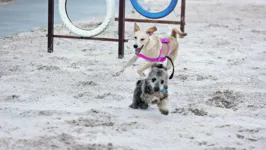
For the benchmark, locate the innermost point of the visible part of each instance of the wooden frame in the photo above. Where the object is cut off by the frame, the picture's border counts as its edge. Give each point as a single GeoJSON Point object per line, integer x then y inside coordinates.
{"type": "Point", "coordinates": [121, 27]}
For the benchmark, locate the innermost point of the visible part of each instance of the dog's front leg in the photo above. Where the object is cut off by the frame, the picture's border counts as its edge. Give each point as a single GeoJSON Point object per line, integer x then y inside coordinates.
{"type": "Point", "coordinates": [129, 63]}
{"type": "Point", "coordinates": [146, 66]}
{"type": "Point", "coordinates": [155, 100]}
{"type": "Point", "coordinates": [163, 106]}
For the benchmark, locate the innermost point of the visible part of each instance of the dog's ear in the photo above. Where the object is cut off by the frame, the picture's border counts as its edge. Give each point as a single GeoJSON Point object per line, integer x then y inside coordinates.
{"type": "Point", "coordinates": [147, 87]}
{"type": "Point", "coordinates": [154, 65]}
{"type": "Point", "coordinates": [138, 82]}
{"type": "Point", "coordinates": [158, 65]}
{"type": "Point", "coordinates": [151, 30]}
{"type": "Point", "coordinates": [136, 27]}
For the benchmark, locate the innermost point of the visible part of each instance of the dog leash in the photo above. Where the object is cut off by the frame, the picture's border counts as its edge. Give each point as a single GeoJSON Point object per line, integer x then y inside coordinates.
{"type": "Point", "coordinates": [161, 59]}
{"type": "Point", "coordinates": [172, 75]}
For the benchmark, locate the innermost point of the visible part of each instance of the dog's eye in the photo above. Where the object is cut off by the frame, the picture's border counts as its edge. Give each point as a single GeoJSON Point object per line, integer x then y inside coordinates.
{"type": "Point", "coordinates": [135, 37]}
{"type": "Point", "coordinates": [162, 81]}
{"type": "Point", "coordinates": [153, 79]}
{"type": "Point", "coordinates": [142, 39]}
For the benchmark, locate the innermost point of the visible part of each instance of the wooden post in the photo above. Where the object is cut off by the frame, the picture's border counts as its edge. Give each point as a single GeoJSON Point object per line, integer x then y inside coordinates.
{"type": "Point", "coordinates": [50, 37]}
{"type": "Point", "coordinates": [183, 10]}
{"type": "Point", "coordinates": [121, 28]}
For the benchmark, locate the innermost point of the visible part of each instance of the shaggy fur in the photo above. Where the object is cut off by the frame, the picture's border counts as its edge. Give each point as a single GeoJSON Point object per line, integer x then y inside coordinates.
{"type": "Point", "coordinates": [151, 90]}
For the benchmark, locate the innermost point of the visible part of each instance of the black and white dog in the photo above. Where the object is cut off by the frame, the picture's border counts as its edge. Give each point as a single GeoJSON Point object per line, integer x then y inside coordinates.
{"type": "Point", "coordinates": [152, 90]}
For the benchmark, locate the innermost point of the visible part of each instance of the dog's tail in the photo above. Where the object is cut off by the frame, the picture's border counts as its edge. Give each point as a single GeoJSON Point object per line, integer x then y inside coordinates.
{"type": "Point", "coordinates": [172, 75]}
{"type": "Point", "coordinates": [176, 31]}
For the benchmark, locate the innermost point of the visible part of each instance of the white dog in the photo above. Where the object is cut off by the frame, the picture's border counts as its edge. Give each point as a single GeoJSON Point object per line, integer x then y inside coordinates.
{"type": "Point", "coordinates": [152, 47]}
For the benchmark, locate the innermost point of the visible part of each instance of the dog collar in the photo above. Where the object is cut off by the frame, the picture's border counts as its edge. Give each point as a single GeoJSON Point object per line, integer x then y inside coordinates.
{"type": "Point", "coordinates": [158, 59]}
{"type": "Point", "coordinates": [164, 90]}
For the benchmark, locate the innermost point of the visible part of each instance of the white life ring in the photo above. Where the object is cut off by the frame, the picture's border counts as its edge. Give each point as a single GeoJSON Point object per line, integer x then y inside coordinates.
{"type": "Point", "coordinates": [87, 33]}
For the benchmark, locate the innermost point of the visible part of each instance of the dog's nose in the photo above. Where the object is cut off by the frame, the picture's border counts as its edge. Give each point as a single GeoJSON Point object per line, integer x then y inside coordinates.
{"type": "Point", "coordinates": [135, 46]}
{"type": "Point", "coordinates": [156, 89]}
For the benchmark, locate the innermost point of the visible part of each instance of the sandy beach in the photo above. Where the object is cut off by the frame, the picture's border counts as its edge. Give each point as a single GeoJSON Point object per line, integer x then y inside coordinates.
{"type": "Point", "coordinates": [70, 99]}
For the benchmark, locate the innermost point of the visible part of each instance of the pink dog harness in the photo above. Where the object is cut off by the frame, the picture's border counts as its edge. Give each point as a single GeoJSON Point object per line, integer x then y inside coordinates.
{"type": "Point", "coordinates": [158, 59]}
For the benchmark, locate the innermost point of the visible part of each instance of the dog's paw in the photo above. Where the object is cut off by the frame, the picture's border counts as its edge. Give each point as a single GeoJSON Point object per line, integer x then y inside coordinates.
{"type": "Point", "coordinates": [118, 73]}
{"type": "Point", "coordinates": [164, 112]}
{"type": "Point", "coordinates": [133, 106]}
{"type": "Point", "coordinates": [141, 74]}
{"type": "Point", "coordinates": [143, 106]}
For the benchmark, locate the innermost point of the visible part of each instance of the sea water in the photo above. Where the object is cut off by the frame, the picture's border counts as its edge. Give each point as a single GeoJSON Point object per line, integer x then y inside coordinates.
{"type": "Point", "coordinates": [24, 15]}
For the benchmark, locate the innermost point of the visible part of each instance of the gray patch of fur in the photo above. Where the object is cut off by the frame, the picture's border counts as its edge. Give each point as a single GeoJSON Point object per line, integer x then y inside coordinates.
{"type": "Point", "coordinates": [149, 90]}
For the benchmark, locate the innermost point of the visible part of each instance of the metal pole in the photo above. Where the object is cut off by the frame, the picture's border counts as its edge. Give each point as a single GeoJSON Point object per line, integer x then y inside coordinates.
{"type": "Point", "coordinates": [183, 10]}
{"type": "Point", "coordinates": [121, 28]}
{"type": "Point", "coordinates": [50, 37]}
{"type": "Point", "coordinates": [88, 38]}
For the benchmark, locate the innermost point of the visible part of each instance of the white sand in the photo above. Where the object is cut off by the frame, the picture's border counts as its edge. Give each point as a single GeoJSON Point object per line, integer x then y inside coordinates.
{"type": "Point", "coordinates": [70, 100]}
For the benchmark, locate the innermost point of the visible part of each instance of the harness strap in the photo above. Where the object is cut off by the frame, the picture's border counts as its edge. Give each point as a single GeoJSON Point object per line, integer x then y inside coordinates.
{"type": "Point", "coordinates": [159, 58]}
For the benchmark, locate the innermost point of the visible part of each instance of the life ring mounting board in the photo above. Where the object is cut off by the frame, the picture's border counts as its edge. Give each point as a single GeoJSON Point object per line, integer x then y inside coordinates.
{"type": "Point", "coordinates": [154, 15]}
{"type": "Point", "coordinates": [86, 33]}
